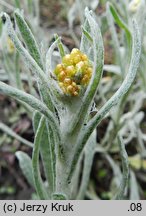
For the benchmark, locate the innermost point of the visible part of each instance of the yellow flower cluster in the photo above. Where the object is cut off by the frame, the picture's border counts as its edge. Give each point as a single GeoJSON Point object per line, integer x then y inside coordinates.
{"type": "Point", "coordinates": [74, 72]}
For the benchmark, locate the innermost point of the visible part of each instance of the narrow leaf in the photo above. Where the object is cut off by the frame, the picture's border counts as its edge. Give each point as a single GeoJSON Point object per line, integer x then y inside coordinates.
{"type": "Point", "coordinates": [39, 185]}
{"type": "Point", "coordinates": [36, 120]}
{"type": "Point", "coordinates": [118, 20]}
{"type": "Point", "coordinates": [86, 33]}
{"type": "Point", "coordinates": [46, 143]}
{"type": "Point", "coordinates": [88, 161]}
{"type": "Point", "coordinates": [47, 159]}
{"type": "Point", "coordinates": [125, 165]}
{"type": "Point", "coordinates": [49, 55]}
{"type": "Point", "coordinates": [28, 38]}
{"type": "Point", "coordinates": [134, 189]}
{"type": "Point", "coordinates": [26, 166]}
{"type": "Point", "coordinates": [60, 46]}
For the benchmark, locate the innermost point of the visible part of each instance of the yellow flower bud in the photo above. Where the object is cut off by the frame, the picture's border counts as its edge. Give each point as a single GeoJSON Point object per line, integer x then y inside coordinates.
{"type": "Point", "coordinates": [75, 51]}
{"type": "Point", "coordinates": [74, 84]}
{"type": "Point", "coordinates": [84, 57]}
{"type": "Point", "coordinates": [61, 84]}
{"type": "Point", "coordinates": [70, 89]}
{"type": "Point", "coordinates": [80, 65]}
{"type": "Point", "coordinates": [70, 70]}
{"type": "Point", "coordinates": [67, 60]}
{"type": "Point", "coordinates": [89, 71]}
{"type": "Point", "coordinates": [58, 69]}
{"type": "Point", "coordinates": [76, 59]}
{"type": "Point", "coordinates": [61, 76]}
{"type": "Point", "coordinates": [74, 72]}
{"type": "Point", "coordinates": [67, 81]}
{"type": "Point", "coordinates": [85, 79]}
{"type": "Point", "coordinates": [75, 93]}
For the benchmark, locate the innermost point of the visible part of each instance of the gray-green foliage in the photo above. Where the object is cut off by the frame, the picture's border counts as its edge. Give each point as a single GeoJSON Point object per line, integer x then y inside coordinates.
{"type": "Point", "coordinates": [64, 129]}
{"type": "Point", "coordinates": [26, 166]}
{"type": "Point", "coordinates": [126, 120]}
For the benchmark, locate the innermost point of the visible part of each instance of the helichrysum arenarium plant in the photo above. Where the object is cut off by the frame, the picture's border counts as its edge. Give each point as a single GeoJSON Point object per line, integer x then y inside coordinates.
{"type": "Point", "coordinates": [63, 126]}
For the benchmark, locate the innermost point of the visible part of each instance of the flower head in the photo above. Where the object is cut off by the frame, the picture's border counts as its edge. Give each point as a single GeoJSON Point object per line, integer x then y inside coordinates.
{"type": "Point", "coordinates": [74, 72]}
